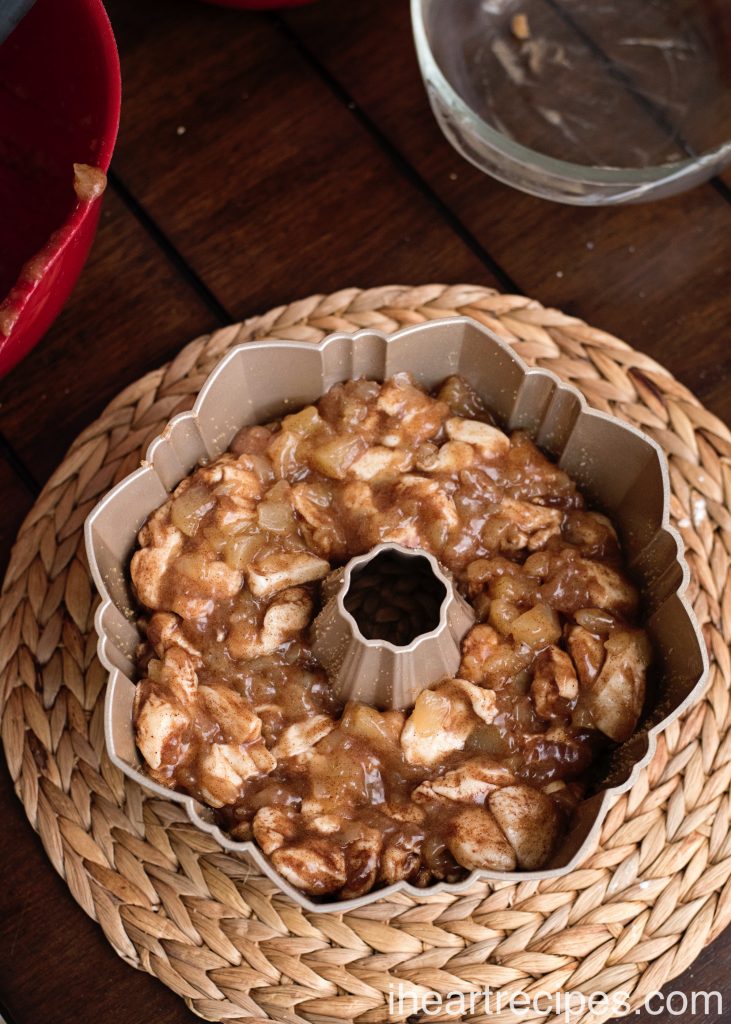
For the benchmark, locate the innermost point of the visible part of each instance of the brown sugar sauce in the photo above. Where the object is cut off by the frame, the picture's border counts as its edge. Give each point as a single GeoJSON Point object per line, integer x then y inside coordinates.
{"type": "Point", "coordinates": [485, 769]}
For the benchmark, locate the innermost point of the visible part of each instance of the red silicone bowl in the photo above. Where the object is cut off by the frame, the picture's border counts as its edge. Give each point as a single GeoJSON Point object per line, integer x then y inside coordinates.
{"type": "Point", "coordinates": [60, 97]}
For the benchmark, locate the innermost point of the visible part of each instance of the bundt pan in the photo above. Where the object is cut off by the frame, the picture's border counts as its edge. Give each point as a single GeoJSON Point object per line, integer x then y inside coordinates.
{"type": "Point", "coordinates": [623, 473]}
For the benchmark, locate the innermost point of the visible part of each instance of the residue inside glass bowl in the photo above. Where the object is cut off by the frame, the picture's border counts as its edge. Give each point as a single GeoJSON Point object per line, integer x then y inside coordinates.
{"type": "Point", "coordinates": [628, 86]}
{"type": "Point", "coordinates": [621, 84]}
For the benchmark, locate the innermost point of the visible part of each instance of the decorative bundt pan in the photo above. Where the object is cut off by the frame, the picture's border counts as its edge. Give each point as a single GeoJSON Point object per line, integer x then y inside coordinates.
{"type": "Point", "coordinates": [621, 470]}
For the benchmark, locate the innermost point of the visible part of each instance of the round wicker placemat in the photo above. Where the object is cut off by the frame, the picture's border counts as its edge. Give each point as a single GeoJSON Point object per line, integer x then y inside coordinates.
{"type": "Point", "coordinates": [170, 902]}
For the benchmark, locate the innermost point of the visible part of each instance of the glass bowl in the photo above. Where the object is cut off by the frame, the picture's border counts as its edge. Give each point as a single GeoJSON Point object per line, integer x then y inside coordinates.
{"type": "Point", "coordinates": [582, 101]}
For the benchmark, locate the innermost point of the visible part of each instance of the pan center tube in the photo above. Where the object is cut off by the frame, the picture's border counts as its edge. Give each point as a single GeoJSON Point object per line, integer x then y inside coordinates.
{"type": "Point", "coordinates": [391, 625]}
{"type": "Point", "coordinates": [395, 597]}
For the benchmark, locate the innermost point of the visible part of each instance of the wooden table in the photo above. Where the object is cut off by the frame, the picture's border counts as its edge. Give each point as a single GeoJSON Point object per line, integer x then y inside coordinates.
{"type": "Point", "coordinates": [262, 158]}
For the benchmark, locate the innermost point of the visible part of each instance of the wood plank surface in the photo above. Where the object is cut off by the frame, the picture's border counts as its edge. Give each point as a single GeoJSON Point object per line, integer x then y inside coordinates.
{"type": "Point", "coordinates": [18, 494]}
{"type": "Point", "coordinates": [290, 196]}
{"type": "Point", "coordinates": [262, 158]}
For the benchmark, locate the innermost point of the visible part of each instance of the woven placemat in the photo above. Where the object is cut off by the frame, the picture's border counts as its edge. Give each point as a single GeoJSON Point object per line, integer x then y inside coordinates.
{"type": "Point", "coordinates": [170, 902]}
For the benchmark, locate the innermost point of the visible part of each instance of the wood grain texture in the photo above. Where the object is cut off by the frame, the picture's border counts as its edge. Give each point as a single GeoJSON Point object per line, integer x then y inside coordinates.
{"type": "Point", "coordinates": [310, 161]}
{"type": "Point", "coordinates": [629, 269]}
{"type": "Point", "coordinates": [288, 193]}
{"type": "Point", "coordinates": [16, 499]}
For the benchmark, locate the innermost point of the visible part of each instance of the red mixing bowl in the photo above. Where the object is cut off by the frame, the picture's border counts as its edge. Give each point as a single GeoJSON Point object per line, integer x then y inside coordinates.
{"type": "Point", "coordinates": [60, 95]}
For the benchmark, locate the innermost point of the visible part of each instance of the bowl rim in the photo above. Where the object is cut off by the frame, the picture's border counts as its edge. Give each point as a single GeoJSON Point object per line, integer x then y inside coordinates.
{"type": "Point", "coordinates": [591, 174]}
{"type": "Point", "coordinates": [23, 289]}
{"type": "Point", "coordinates": [249, 848]}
